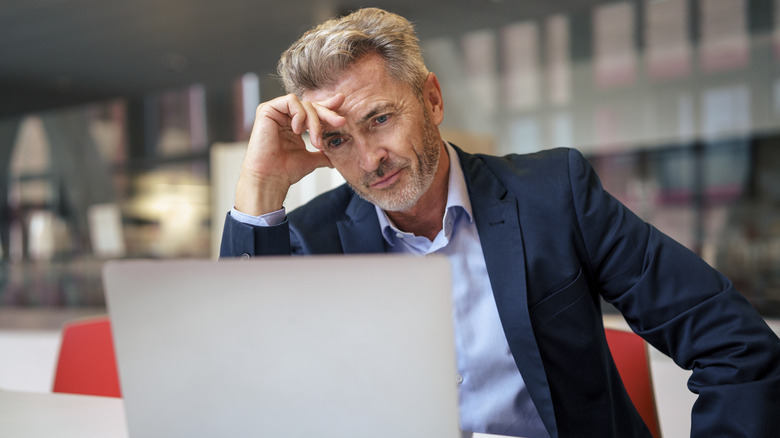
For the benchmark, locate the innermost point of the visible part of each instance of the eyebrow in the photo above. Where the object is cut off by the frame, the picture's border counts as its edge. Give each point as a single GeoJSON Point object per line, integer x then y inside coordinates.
{"type": "Point", "coordinates": [376, 111]}
{"type": "Point", "coordinates": [370, 115]}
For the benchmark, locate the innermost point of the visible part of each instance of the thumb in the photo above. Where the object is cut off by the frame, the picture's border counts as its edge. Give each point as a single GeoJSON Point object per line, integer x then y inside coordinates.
{"type": "Point", "coordinates": [321, 160]}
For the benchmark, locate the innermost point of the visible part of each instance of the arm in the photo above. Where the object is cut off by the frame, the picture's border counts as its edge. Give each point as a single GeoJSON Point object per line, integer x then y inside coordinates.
{"type": "Point", "coordinates": [241, 239]}
{"type": "Point", "coordinates": [684, 308]}
{"type": "Point", "coordinates": [276, 158]}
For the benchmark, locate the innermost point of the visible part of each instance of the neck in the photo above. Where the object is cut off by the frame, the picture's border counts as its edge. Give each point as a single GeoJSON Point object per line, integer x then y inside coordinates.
{"type": "Point", "coordinates": [426, 216]}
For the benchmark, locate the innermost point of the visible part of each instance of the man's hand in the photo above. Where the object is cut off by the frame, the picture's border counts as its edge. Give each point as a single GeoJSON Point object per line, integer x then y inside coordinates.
{"type": "Point", "coordinates": [276, 157]}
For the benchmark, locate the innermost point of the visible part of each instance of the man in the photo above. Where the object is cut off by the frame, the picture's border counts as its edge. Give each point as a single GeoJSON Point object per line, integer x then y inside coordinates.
{"type": "Point", "coordinates": [534, 241]}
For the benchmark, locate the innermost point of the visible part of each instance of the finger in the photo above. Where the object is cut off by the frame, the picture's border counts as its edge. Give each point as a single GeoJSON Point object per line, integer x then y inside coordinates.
{"type": "Point", "coordinates": [310, 115]}
{"type": "Point", "coordinates": [282, 111]}
{"type": "Point", "coordinates": [325, 113]}
{"type": "Point", "coordinates": [326, 110]}
{"type": "Point", "coordinates": [313, 124]}
{"type": "Point", "coordinates": [301, 115]}
{"type": "Point", "coordinates": [334, 102]}
{"type": "Point", "coordinates": [298, 113]}
{"type": "Point", "coordinates": [304, 115]}
{"type": "Point", "coordinates": [321, 159]}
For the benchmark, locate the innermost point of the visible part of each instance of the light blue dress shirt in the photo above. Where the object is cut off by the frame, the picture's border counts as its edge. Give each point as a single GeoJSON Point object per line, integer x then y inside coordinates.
{"type": "Point", "coordinates": [493, 397]}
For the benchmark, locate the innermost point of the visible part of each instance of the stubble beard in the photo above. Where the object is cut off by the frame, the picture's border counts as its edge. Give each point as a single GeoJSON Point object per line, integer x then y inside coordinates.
{"type": "Point", "coordinates": [407, 191]}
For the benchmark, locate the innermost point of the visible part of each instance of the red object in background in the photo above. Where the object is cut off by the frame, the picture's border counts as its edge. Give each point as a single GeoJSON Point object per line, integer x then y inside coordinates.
{"type": "Point", "coordinates": [633, 363]}
{"type": "Point", "coordinates": [87, 363]}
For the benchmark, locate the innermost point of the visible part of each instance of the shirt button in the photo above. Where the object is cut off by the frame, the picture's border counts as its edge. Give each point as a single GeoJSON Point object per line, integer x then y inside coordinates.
{"type": "Point", "coordinates": [459, 378]}
{"type": "Point", "coordinates": [245, 256]}
{"type": "Point", "coordinates": [399, 235]}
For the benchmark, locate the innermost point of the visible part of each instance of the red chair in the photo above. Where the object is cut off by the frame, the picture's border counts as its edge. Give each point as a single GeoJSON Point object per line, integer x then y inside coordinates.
{"type": "Point", "coordinates": [87, 363]}
{"type": "Point", "coordinates": [629, 352]}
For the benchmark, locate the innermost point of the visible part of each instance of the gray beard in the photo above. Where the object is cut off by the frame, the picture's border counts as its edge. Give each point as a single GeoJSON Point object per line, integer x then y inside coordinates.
{"type": "Point", "coordinates": [406, 197]}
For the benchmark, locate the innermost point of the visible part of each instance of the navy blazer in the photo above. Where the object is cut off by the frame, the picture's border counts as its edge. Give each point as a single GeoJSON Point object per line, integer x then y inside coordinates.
{"type": "Point", "coordinates": [555, 243]}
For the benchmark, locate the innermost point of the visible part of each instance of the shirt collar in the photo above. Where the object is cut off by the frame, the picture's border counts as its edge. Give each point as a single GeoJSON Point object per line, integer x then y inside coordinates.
{"type": "Point", "coordinates": [457, 201]}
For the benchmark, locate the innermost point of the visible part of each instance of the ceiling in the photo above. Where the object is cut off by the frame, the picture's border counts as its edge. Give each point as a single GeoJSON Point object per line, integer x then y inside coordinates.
{"type": "Point", "coordinates": [55, 53]}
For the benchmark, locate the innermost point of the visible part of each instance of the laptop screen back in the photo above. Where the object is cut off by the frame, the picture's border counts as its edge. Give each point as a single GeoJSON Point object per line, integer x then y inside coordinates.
{"type": "Point", "coordinates": [341, 346]}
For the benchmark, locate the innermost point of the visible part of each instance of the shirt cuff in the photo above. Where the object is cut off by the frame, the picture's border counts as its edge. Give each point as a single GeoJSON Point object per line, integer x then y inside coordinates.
{"type": "Point", "coordinates": [264, 220]}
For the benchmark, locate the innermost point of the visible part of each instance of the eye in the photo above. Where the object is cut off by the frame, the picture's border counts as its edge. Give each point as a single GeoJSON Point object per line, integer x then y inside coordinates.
{"type": "Point", "coordinates": [335, 142]}
{"type": "Point", "coordinates": [381, 119]}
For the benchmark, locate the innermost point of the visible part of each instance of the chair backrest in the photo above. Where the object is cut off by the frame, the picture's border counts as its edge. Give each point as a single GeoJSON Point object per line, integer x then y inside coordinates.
{"type": "Point", "coordinates": [629, 352]}
{"type": "Point", "coordinates": [86, 362]}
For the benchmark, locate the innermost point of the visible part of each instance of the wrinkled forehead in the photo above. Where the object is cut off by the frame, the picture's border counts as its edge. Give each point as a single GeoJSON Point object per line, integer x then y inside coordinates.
{"type": "Point", "coordinates": [366, 87]}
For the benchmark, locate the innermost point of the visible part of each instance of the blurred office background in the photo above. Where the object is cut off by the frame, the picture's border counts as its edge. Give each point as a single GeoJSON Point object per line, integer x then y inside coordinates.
{"type": "Point", "coordinates": [121, 122]}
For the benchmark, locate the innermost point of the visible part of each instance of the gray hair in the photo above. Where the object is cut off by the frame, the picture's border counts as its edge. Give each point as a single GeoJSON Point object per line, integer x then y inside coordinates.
{"type": "Point", "coordinates": [318, 58]}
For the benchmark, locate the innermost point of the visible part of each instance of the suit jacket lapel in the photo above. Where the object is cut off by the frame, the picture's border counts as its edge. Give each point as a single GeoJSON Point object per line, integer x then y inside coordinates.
{"type": "Point", "coordinates": [496, 216]}
{"type": "Point", "coordinates": [359, 232]}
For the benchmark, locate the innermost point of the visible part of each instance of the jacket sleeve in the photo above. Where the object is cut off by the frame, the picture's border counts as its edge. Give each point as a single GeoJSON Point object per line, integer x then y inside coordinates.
{"type": "Point", "coordinates": [243, 240]}
{"type": "Point", "coordinates": [686, 309]}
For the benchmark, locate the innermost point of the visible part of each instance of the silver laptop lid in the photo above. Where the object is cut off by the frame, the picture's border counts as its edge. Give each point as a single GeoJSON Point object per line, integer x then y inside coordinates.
{"type": "Point", "coordinates": [341, 346]}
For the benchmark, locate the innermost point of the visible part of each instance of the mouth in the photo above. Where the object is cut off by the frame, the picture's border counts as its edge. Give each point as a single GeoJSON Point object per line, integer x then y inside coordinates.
{"type": "Point", "coordinates": [386, 181]}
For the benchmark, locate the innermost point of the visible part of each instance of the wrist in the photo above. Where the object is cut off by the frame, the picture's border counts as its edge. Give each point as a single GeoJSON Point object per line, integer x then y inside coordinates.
{"type": "Point", "coordinates": [256, 197]}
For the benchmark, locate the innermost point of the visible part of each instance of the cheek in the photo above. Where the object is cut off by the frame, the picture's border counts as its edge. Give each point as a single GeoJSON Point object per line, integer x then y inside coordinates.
{"type": "Point", "coordinates": [346, 166]}
{"type": "Point", "coordinates": [400, 142]}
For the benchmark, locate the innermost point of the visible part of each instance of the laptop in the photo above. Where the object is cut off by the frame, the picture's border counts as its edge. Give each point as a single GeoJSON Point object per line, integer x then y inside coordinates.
{"type": "Point", "coordinates": [317, 346]}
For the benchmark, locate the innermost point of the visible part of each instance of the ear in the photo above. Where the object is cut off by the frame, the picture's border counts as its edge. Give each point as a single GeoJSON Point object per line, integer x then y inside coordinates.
{"type": "Point", "coordinates": [432, 99]}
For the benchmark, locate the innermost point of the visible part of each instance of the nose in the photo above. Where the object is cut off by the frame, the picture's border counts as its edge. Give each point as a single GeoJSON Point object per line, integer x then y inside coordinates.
{"type": "Point", "coordinates": [370, 155]}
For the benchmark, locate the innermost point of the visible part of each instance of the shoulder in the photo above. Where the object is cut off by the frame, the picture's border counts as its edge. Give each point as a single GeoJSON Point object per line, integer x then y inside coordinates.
{"type": "Point", "coordinates": [551, 169]}
{"type": "Point", "coordinates": [536, 162]}
{"type": "Point", "coordinates": [542, 162]}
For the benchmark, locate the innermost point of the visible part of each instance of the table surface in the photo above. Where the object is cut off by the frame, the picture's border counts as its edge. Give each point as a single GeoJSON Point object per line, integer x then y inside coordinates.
{"type": "Point", "coordinates": [50, 415]}
{"type": "Point", "coordinates": [34, 415]}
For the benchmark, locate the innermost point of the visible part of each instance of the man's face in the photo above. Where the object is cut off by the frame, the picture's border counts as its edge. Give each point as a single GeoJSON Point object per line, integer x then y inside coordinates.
{"type": "Point", "coordinates": [388, 151]}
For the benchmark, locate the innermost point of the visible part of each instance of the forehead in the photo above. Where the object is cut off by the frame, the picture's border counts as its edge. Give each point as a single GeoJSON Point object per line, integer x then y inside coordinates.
{"type": "Point", "coordinates": [365, 84]}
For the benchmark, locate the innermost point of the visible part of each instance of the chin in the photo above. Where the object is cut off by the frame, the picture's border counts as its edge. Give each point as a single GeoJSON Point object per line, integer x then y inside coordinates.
{"type": "Point", "coordinates": [392, 204]}
{"type": "Point", "coordinates": [400, 202]}
{"type": "Point", "coordinates": [397, 208]}
{"type": "Point", "coordinates": [403, 196]}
